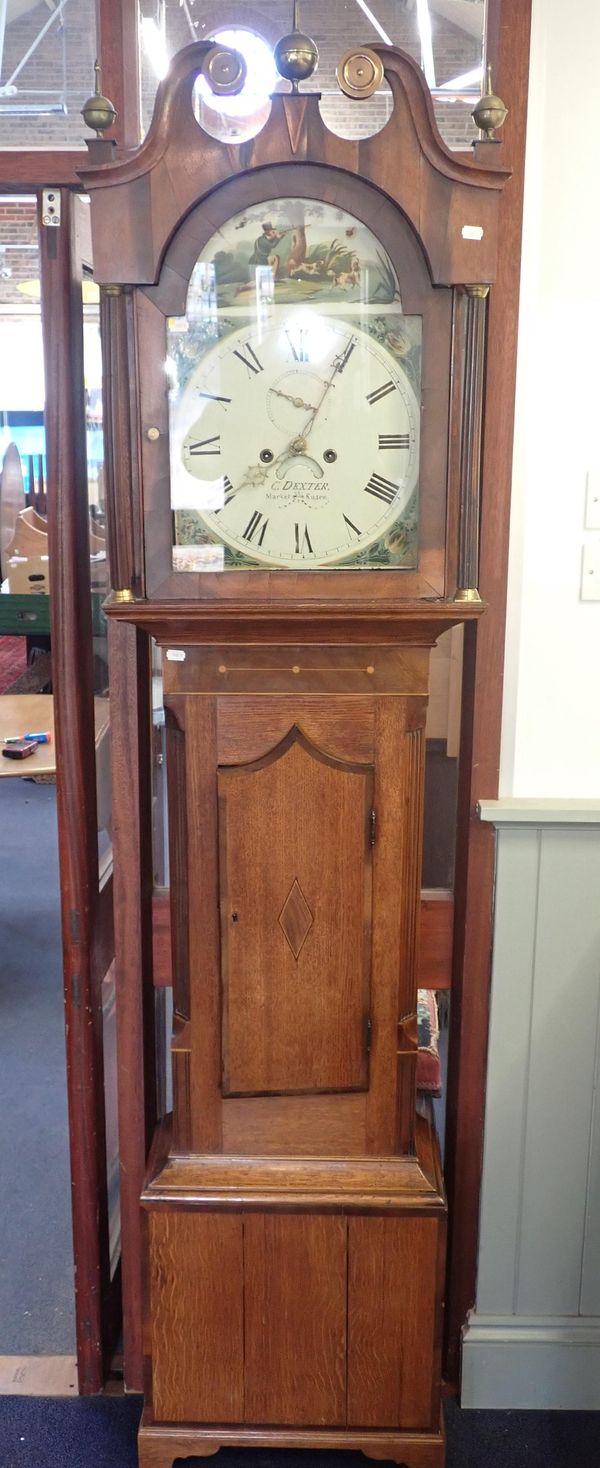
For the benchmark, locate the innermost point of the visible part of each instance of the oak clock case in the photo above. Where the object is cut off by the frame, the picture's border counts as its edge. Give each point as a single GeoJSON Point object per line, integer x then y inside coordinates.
{"type": "Point", "coordinates": [294, 380]}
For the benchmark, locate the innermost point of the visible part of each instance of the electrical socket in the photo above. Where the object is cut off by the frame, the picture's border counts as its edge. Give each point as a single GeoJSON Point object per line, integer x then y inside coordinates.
{"type": "Point", "coordinates": [51, 207]}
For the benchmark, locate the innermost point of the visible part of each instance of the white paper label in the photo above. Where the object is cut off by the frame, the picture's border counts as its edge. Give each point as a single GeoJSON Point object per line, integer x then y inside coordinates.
{"type": "Point", "coordinates": [175, 655]}
{"type": "Point", "coordinates": [472, 232]}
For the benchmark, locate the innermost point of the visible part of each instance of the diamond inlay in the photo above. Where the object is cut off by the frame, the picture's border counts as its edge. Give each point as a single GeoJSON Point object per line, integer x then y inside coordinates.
{"type": "Point", "coordinates": [296, 919]}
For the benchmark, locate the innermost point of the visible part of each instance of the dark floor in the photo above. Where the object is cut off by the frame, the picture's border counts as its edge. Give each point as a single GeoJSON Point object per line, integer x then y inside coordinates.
{"type": "Point", "coordinates": [36, 1259]}
{"type": "Point", "coordinates": [101, 1433]}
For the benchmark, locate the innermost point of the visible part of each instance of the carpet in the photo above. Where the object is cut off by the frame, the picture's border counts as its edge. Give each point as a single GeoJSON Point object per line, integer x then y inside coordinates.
{"type": "Point", "coordinates": [36, 1258]}
{"type": "Point", "coordinates": [13, 660]}
{"type": "Point", "coordinates": [101, 1433]}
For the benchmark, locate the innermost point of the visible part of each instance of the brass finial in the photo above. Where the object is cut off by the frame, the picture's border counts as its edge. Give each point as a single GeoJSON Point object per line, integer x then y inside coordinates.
{"type": "Point", "coordinates": [296, 55]}
{"type": "Point", "coordinates": [98, 112]}
{"type": "Point", "coordinates": [490, 111]}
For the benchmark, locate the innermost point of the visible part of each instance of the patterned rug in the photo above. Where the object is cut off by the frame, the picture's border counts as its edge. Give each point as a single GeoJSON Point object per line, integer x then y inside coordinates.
{"type": "Point", "coordinates": [13, 660]}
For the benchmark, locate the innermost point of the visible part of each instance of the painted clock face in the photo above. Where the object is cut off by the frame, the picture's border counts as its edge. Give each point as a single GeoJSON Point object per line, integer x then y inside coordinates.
{"type": "Point", "coordinates": [295, 400]}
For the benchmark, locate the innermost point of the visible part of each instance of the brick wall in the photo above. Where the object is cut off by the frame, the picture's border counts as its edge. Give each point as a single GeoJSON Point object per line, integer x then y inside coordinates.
{"type": "Point", "coordinates": [19, 252]}
{"type": "Point", "coordinates": [336, 25]}
{"type": "Point", "coordinates": [63, 60]}
{"type": "Point", "coordinates": [68, 51]}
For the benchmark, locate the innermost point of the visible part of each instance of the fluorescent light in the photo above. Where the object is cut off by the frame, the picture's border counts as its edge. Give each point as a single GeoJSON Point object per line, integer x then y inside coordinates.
{"type": "Point", "coordinates": [374, 22]}
{"type": "Point", "coordinates": [424, 23]}
{"type": "Point", "coordinates": [155, 46]}
{"type": "Point", "coordinates": [467, 81]}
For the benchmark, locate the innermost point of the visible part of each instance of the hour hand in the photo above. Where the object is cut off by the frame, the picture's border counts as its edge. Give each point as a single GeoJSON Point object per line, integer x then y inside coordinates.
{"type": "Point", "coordinates": [297, 402]}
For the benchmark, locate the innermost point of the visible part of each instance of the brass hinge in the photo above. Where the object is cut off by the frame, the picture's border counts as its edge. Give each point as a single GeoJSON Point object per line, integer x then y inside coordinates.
{"type": "Point", "coordinates": [368, 1033]}
{"type": "Point", "coordinates": [372, 827]}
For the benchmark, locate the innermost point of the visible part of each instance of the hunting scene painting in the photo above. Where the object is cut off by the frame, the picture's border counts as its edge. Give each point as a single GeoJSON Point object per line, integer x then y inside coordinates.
{"type": "Point", "coordinates": [294, 251]}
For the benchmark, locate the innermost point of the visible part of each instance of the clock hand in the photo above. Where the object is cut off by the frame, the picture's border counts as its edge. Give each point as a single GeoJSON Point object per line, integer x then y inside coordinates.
{"type": "Point", "coordinates": [257, 474]}
{"type": "Point", "coordinates": [309, 425]}
{"type": "Point", "coordinates": [297, 402]}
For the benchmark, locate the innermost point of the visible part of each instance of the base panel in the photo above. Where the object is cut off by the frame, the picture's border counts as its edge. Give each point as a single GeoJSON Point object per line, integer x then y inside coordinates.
{"type": "Point", "coordinates": [159, 1446]}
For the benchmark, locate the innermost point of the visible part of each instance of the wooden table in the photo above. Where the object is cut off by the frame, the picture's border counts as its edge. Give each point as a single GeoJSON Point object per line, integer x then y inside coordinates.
{"type": "Point", "coordinates": [22, 713]}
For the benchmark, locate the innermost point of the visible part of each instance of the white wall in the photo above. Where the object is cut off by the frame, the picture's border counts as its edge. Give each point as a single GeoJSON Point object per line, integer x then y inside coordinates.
{"type": "Point", "coordinates": [551, 728]}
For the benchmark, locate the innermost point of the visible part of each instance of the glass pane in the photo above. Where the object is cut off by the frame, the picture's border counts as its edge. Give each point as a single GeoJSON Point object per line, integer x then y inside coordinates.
{"type": "Point", "coordinates": [92, 372]}
{"type": "Point", "coordinates": [47, 55]}
{"type": "Point", "coordinates": [163, 1013]}
{"type": "Point", "coordinates": [92, 365]}
{"type": "Point", "coordinates": [445, 38]}
{"type": "Point", "coordinates": [294, 324]}
{"type": "Point", "coordinates": [23, 531]}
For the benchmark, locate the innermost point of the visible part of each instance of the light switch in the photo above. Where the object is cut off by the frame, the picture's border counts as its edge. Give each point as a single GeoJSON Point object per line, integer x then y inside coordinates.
{"type": "Point", "coordinates": [592, 500]}
{"type": "Point", "coordinates": [590, 572]}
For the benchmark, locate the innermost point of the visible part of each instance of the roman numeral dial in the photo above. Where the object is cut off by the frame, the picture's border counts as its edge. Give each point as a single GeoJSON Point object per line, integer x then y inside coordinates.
{"type": "Point", "coordinates": [256, 528]}
{"type": "Point", "coordinates": [394, 440]}
{"type": "Point", "coordinates": [383, 489]}
{"type": "Point", "coordinates": [380, 393]}
{"type": "Point", "coordinates": [205, 447]}
{"type": "Point", "coordinates": [300, 441]}
{"type": "Point", "coordinates": [248, 357]}
{"type": "Point", "coordinates": [302, 541]}
{"type": "Point", "coordinates": [299, 344]}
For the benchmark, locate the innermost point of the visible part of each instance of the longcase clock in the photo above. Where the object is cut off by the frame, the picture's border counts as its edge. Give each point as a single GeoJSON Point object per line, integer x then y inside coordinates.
{"type": "Point", "coordinates": [294, 333]}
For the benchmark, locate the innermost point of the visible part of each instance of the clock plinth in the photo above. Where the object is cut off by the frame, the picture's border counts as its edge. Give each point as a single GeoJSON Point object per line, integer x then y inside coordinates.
{"type": "Point", "coordinates": [294, 503]}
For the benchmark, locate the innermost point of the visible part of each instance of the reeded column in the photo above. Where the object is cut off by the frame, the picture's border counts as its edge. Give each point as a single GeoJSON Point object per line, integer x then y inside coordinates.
{"type": "Point", "coordinates": [122, 468]}
{"type": "Point", "coordinates": [475, 309]}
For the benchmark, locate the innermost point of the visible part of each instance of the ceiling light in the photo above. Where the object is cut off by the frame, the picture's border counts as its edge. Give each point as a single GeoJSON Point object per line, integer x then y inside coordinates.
{"type": "Point", "coordinates": [424, 23]}
{"type": "Point", "coordinates": [374, 22]}
{"type": "Point", "coordinates": [469, 81]}
{"type": "Point", "coordinates": [155, 46]}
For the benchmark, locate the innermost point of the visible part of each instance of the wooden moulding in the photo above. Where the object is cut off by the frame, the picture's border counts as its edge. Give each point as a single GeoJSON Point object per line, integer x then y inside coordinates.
{"type": "Point", "coordinates": [159, 1446]}
{"type": "Point", "coordinates": [379, 1184]}
{"type": "Point", "coordinates": [179, 624]}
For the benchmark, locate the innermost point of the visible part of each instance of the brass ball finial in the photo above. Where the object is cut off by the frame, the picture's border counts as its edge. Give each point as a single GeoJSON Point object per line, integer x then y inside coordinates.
{"type": "Point", "coordinates": [296, 55]}
{"type": "Point", "coordinates": [98, 112]}
{"type": "Point", "coordinates": [490, 111]}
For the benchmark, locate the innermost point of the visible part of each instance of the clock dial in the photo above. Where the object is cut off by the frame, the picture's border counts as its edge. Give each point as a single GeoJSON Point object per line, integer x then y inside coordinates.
{"type": "Point", "coordinates": [295, 427]}
{"type": "Point", "coordinates": [327, 458]}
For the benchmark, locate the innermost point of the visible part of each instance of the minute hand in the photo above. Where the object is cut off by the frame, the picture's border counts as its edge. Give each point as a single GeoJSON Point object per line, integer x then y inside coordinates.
{"type": "Point", "coordinates": [310, 422]}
